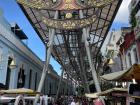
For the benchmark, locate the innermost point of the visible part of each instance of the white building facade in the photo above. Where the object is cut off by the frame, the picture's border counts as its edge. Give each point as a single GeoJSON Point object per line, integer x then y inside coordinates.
{"type": "Point", "coordinates": [12, 48]}
{"type": "Point", "coordinates": [28, 67]}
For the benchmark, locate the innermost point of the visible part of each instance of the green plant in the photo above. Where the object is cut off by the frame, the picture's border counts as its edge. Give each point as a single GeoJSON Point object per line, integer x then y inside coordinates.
{"type": "Point", "coordinates": [133, 20]}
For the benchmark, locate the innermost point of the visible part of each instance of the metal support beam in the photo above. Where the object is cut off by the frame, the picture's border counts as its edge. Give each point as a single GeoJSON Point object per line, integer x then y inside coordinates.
{"type": "Point", "coordinates": [94, 74]}
{"type": "Point", "coordinates": [84, 74]}
{"type": "Point", "coordinates": [59, 85]}
{"type": "Point", "coordinates": [48, 55]}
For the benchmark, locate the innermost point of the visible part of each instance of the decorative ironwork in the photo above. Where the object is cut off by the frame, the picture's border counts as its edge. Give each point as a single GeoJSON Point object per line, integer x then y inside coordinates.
{"type": "Point", "coordinates": [99, 3]}
{"type": "Point", "coordinates": [64, 4]}
{"type": "Point", "coordinates": [69, 5]}
{"type": "Point", "coordinates": [69, 24]}
{"type": "Point", "coordinates": [68, 15]}
{"type": "Point", "coordinates": [68, 44]}
{"type": "Point", "coordinates": [39, 4]}
{"type": "Point", "coordinates": [94, 3]}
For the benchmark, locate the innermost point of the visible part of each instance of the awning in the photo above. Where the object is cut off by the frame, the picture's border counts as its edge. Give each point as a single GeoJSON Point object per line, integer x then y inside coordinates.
{"type": "Point", "coordinates": [113, 76]}
{"type": "Point", "coordinates": [107, 92]}
{"type": "Point", "coordinates": [92, 95]}
{"type": "Point", "coordinates": [133, 72]}
{"type": "Point", "coordinates": [113, 90]}
{"type": "Point", "coordinates": [125, 75]}
{"type": "Point", "coordinates": [18, 91]}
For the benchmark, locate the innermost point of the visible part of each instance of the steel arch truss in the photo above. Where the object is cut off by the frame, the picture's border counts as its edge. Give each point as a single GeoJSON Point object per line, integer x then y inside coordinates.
{"type": "Point", "coordinates": [68, 45]}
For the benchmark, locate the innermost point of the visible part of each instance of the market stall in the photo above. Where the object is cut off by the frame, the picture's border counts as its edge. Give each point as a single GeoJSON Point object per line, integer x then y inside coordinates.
{"type": "Point", "coordinates": [132, 76]}
{"type": "Point", "coordinates": [115, 96]}
{"type": "Point", "coordinates": [125, 75]}
{"type": "Point", "coordinates": [21, 96]}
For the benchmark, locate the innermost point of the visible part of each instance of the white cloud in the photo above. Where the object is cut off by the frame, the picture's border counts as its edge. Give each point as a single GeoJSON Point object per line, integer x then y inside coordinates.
{"type": "Point", "coordinates": [123, 13]}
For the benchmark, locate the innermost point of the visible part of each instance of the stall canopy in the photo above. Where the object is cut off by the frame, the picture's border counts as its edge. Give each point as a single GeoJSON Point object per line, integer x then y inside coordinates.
{"type": "Point", "coordinates": [92, 95]}
{"type": "Point", "coordinates": [113, 76]}
{"type": "Point", "coordinates": [113, 90]}
{"type": "Point", "coordinates": [125, 75]}
{"type": "Point", "coordinates": [107, 92]}
{"type": "Point", "coordinates": [18, 91]}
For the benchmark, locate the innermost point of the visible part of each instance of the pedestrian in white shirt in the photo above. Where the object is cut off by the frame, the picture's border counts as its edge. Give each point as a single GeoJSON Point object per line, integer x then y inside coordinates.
{"type": "Point", "coordinates": [73, 102]}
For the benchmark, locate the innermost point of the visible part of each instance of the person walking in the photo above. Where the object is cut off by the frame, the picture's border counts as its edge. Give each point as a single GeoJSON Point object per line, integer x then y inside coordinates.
{"type": "Point", "coordinates": [98, 101]}
{"type": "Point", "coordinates": [73, 102]}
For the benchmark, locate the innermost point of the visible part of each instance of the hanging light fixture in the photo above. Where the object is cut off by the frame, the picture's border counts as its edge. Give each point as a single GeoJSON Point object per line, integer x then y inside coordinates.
{"type": "Point", "coordinates": [111, 62]}
{"type": "Point", "coordinates": [134, 81]}
{"type": "Point", "coordinates": [116, 83]}
{"type": "Point", "coordinates": [13, 64]}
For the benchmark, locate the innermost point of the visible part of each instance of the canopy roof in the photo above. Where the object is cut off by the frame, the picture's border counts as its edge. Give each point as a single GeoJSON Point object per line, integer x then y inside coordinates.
{"type": "Point", "coordinates": [113, 90]}
{"type": "Point", "coordinates": [18, 91]}
{"type": "Point", "coordinates": [125, 75]}
{"type": "Point", "coordinates": [92, 95]}
{"type": "Point", "coordinates": [113, 76]}
{"type": "Point", "coordinates": [69, 49]}
{"type": "Point", "coordinates": [107, 92]}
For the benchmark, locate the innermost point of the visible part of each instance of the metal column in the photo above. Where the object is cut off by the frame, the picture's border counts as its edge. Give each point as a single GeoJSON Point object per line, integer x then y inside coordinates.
{"type": "Point", "coordinates": [94, 74]}
{"type": "Point", "coordinates": [47, 59]}
{"type": "Point", "coordinates": [84, 74]}
{"type": "Point", "coordinates": [59, 85]}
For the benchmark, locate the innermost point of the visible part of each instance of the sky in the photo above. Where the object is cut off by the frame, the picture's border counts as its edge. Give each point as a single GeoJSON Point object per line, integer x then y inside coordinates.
{"type": "Point", "coordinates": [13, 13]}
{"type": "Point", "coordinates": [121, 20]}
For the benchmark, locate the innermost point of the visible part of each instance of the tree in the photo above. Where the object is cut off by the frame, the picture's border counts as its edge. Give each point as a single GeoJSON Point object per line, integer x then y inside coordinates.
{"type": "Point", "coordinates": [133, 20]}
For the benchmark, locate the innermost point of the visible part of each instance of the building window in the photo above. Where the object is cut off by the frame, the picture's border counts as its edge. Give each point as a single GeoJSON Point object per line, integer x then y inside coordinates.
{"type": "Point", "coordinates": [50, 87]}
{"type": "Point", "coordinates": [30, 78]}
{"type": "Point", "coordinates": [135, 55]}
{"type": "Point", "coordinates": [129, 59]}
{"type": "Point", "coordinates": [8, 73]}
{"type": "Point", "coordinates": [21, 78]}
{"type": "Point", "coordinates": [35, 80]}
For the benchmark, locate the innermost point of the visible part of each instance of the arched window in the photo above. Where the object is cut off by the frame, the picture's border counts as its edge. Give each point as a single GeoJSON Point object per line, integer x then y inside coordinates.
{"type": "Point", "coordinates": [21, 78]}
{"type": "Point", "coordinates": [8, 75]}
{"type": "Point", "coordinates": [36, 81]}
{"type": "Point", "coordinates": [30, 78]}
